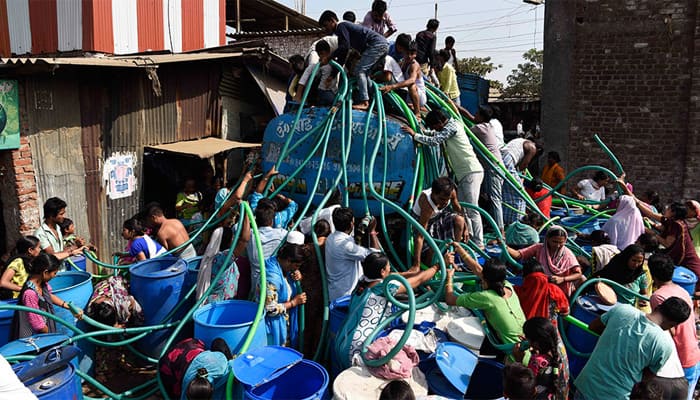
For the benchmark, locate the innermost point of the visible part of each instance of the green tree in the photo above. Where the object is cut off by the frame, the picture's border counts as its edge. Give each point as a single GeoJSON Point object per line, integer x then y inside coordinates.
{"type": "Point", "coordinates": [480, 66]}
{"type": "Point", "coordinates": [526, 80]}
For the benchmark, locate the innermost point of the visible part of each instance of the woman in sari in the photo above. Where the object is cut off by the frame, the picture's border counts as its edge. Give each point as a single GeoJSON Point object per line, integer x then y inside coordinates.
{"type": "Point", "coordinates": [559, 262]}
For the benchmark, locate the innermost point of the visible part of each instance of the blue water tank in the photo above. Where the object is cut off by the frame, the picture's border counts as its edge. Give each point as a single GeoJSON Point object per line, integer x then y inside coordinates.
{"type": "Point", "coordinates": [474, 91]}
{"type": "Point", "coordinates": [400, 158]}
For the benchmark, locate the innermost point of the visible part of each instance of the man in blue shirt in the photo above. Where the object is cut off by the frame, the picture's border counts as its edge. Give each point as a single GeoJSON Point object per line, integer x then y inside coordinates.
{"type": "Point", "coordinates": [371, 45]}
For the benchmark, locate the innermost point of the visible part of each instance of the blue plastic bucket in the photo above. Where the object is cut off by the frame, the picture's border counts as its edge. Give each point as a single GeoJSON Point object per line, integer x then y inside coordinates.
{"type": "Point", "coordinates": [6, 322]}
{"type": "Point", "coordinates": [192, 271]}
{"type": "Point", "coordinates": [686, 279]}
{"type": "Point", "coordinates": [230, 320]}
{"type": "Point", "coordinates": [59, 383]}
{"type": "Point", "coordinates": [304, 380]}
{"type": "Point", "coordinates": [80, 262]}
{"type": "Point", "coordinates": [585, 309]}
{"type": "Point", "coordinates": [338, 311]}
{"type": "Point", "coordinates": [71, 286]}
{"type": "Point", "coordinates": [157, 284]}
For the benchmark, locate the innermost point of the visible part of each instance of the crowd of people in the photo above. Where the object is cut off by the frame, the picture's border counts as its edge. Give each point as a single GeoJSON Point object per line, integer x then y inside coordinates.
{"type": "Point", "coordinates": [646, 349]}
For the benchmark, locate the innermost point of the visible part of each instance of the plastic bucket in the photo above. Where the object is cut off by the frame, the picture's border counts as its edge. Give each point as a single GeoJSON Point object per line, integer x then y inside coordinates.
{"type": "Point", "coordinates": [686, 279]}
{"type": "Point", "coordinates": [80, 262]}
{"type": "Point", "coordinates": [338, 311]}
{"type": "Point", "coordinates": [71, 286]}
{"type": "Point", "coordinates": [6, 322]}
{"type": "Point", "coordinates": [192, 271]}
{"type": "Point", "coordinates": [585, 309]}
{"type": "Point", "coordinates": [230, 320]}
{"type": "Point", "coordinates": [58, 382]}
{"type": "Point", "coordinates": [304, 380]}
{"type": "Point", "coordinates": [157, 284]}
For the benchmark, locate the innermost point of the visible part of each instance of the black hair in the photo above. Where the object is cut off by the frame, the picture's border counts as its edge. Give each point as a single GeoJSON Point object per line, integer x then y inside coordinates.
{"type": "Point", "coordinates": [535, 184]}
{"type": "Point", "coordinates": [432, 24]}
{"type": "Point", "coordinates": [435, 117]}
{"type": "Point", "coordinates": [349, 16]}
{"type": "Point", "coordinates": [343, 218]}
{"type": "Point", "coordinates": [322, 46]}
{"type": "Point", "coordinates": [674, 309]}
{"type": "Point", "coordinates": [25, 243]}
{"type": "Point", "coordinates": [678, 209]}
{"type": "Point", "coordinates": [279, 203]}
{"type": "Point", "coordinates": [373, 265]}
{"type": "Point", "coordinates": [443, 184]}
{"type": "Point", "coordinates": [220, 345]}
{"type": "Point", "coordinates": [291, 252]}
{"type": "Point", "coordinates": [200, 387]}
{"type": "Point", "coordinates": [599, 237]}
{"type": "Point", "coordinates": [653, 199]}
{"type": "Point", "coordinates": [531, 265]}
{"type": "Point", "coordinates": [335, 198]}
{"type": "Point", "coordinates": [322, 228]}
{"type": "Point", "coordinates": [486, 112]}
{"type": "Point", "coordinates": [649, 242]}
{"type": "Point", "coordinates": [444, 54]}
{"type": "Point", "coordinates": [103, 312]}
{"type": "Point", "coordinates": [397, 390]}
{"type": "Point", "coordinates": [661, 267]}
{"type": "Point", "coordinates": [264, 216]}
{"type": "Point", "coordinates": [412, 47]}
{"type": "Point", "coordinates": [53, 206]}
{"type": "Point", "coordinates": [134, 225]}
{"type": "Point", "coordinates": [155, 211]}
{"type": "Point", "coordinates": [532, 219]}
{"type": "Point", "coordinates": [297, 63]}
{"type": "Point", "coordinates": [379, 6]}
{"type": "Point", "coordinates": [518, 382]}
{"type": "Point", "coordinates": [650, 389]}
{"type": "Point", "coordinates": [449, 40]}
{"type": "Point", "coordinates": [542, 331]}
{"type": "Point", "coordinates": [43, 262]}
{"type": "Point", "coordinates": [556, 233]}
{"type": "Point", "coordinates": [67, 222]}
{"type": "Point", "coordinates": [554, 156]}
{"type": "Point", "coordinates": [403, 40]}
{"type": "Point", "coordinates": [600, 176]}
{"type": "Point", "coordinates": [327, 16]}
{"type": "Point", "coordinates": [267, 203]}
{"type": "Point", "coordinates": [494, 274]}
{"type": "Point", "coordinates": [617, 269]}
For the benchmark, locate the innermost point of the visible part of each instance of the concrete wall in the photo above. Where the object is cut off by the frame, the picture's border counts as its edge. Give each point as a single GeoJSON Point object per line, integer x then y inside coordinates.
{"type": "Point", "coordinates": [628, 71]}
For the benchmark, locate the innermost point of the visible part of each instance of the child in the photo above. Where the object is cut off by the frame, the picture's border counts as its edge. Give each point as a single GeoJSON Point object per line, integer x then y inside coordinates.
{"type": "Point", "coordinates": [547, 361]}
{"type": "Point", "coordinates": [296, 62]}
{"type": "Point", "coordinates": [16, 274]}
{"type": "Point", "coordinates": [187, 201]}
{"type": "Point", "coordinates": [141, 246]}
{"type": "Point", "coordinates": [518, 382]}
{"type": "Point", "coordinates": [68, 232]}
{"type": "Point", "coordinates": [37, 294]}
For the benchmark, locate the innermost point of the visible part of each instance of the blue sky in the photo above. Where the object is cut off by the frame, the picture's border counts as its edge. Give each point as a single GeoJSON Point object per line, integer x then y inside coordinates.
{"type": "Point", "coordinates": [501, 29]}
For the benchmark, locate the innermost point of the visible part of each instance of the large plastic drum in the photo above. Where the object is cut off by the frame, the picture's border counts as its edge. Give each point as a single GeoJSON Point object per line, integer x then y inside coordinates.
{"type": "Point", "coordinates": [230, 320]}
{"type": "Point", "coordinates": [50, 380]}
{"type": "Point", "coordinates": [6, 322]}
{"type": "Point", "coordinates": [72, 287]}
{"type": "Point", "coordinates": [400, 157]}
{"type": "Point", "coordinates": [157, 284]}
{"type": "Point", "coordinates": [686, 279]}
{"type": "Point", "coordinates": [304, 380]}
{"type": "Point", "coordinates": [80, 262]}
{"type": "Point", "coordinates": [338, 311]}
{"type": "Point", "coordinates": [585, 309]}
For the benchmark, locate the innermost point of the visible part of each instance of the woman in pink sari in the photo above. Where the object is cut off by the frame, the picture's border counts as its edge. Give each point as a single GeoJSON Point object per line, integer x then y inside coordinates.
{"type": "Point", "coordinates": [626, 225]}
{"type": "Point", "coordinates": [559, 263]}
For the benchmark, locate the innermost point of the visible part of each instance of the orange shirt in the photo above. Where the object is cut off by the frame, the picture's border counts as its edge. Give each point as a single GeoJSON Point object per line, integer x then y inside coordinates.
{"type": "Point", "coordinates": [552, 175]}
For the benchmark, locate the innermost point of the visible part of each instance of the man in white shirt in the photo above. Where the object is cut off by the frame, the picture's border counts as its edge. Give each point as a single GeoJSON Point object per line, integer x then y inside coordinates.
{"type": "Point", "coordinates": [343, 255]}
{"type": "Point", "coordinates": [327, 82]}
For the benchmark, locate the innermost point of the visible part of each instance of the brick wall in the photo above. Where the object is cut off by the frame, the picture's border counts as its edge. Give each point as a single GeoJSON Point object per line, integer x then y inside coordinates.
{"type": "Point", "coordinates": [634, 81]}
{"type": "Point", "coordinates": [25, 187]}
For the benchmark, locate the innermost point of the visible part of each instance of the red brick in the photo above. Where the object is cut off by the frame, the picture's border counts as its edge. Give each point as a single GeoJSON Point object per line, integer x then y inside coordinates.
{"type": "Point", "coordinates": [22, 162]}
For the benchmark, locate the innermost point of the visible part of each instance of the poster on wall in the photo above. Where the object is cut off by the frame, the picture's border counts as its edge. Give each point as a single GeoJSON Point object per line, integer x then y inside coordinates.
{"type": "Point", "coordinates": [9, 115]}
{"type": "Point", "coordinates": [118, 175]}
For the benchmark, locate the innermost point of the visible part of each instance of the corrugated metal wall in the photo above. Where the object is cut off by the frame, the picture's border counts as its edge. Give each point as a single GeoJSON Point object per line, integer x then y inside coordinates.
{"type": "Point", "coordinates": [77, 119]}
{"type": "Point", "coordinates": [55, 134]}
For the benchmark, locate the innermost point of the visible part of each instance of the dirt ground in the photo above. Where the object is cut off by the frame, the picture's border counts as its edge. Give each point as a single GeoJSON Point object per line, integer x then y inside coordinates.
{"type": "Point", "coordinates": [119, 371]}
